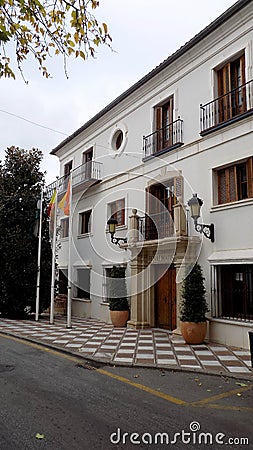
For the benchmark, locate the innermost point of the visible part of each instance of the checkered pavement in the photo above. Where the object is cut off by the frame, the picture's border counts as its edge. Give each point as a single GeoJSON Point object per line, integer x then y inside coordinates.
{"type": "Point", "coordinates": [148, 347]}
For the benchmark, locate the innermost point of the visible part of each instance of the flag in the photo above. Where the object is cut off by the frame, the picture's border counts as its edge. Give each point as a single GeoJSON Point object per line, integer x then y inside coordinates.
{"type": "Point", "coordinates": [51, 214]}
{"type": "Point", "coordinates": [64, 202]}
{"type": "Point", "coordinates": [51, 204]}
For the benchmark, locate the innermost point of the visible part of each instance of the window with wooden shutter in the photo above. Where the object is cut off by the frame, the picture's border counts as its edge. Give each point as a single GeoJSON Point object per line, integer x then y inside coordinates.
{"type": "Point", "coordinates": [87, 164]}
{"type": "Point", "coordinates": [235, 182]}
{"type": "Point", "coordinates": [67, 168]}
{"type": "Point", "coordinates": [232, 99]}
{"type": "Point", "coordinates": [250, 177]}
{"type": "Point", "coordinates": [65, 227]}
{"type": "Point", "coordinates": [85, 222]}
{"type": "Point", "coordinates": [160, 201]}
{"type": "Point", "coordinates": [117, 211]}
{"type": "Point", "coordinates": [164, 126]}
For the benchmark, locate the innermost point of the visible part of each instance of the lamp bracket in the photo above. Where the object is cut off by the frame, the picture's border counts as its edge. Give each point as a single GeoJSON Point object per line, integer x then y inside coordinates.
{"type": "Point", "coordinates": [207, 230]}
{"type": "Point", "coordinates": [118, 240]}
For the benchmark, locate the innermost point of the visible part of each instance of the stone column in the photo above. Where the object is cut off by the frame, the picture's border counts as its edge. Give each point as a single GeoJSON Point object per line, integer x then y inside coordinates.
{"type": "Point", "coordinates": [180, 222]}
{"type": "Point", "coordinates": [138, 295]}
{"type": "Point", "coordinates": [178, 266]}
{"type": "Point", "coordinates": [133, 235]}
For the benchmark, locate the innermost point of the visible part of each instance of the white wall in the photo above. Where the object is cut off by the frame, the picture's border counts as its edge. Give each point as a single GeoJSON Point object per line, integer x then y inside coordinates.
{"type": "Point", "coordinates": [191, 79]}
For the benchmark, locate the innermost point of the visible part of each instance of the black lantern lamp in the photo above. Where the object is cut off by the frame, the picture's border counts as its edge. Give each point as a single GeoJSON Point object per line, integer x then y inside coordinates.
{"type": "Point", "coordinates": [112, 223]}
{"type": "Point", "coordinates": [195, 204]}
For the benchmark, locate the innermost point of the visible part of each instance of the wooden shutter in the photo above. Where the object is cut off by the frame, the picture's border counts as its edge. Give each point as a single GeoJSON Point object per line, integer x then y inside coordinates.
{"type": "Point", "coordinates": [250, 177]}
{"type": "Point", "coordinates": [224, 86]}
{"type": "Point", "coordinates": [113, 210]}
{"type": "Point", "coordinates": [242, 92]}
{"type": "Point", "coordinates": [159, 114]}
{"type": "Point", "coordinates": [179, 188]}
{"type": "Point", "coordinates": [232, 193]}
{"type": "Point", "coordinates": [222, 197]}
{"type": "Point", "coordinates": [170, 107]}
{"type": "Point", "coordinates": [121, 211]}
{"type": "Point", "coordinates": [231, 77]}
{"type": "Point", "coordinates": [227, 185]}
{"type": "Point", "coordinates": [159, 124]}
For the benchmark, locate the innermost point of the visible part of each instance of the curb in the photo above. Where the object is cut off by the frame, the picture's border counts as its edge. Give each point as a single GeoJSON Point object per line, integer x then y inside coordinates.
{"type": "Point", "coordinates": [96, 362]}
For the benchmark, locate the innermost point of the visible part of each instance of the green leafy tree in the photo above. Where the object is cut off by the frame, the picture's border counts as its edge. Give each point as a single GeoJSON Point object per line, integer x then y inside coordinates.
{"type": "Point", "coordinates": [194, 305]}
{"type": "Point", "coordinates": [45, 29]}
{"type": "Point", "coordinates": [118, 290]}
{"type": "Point", "coordinates": [20, 186]}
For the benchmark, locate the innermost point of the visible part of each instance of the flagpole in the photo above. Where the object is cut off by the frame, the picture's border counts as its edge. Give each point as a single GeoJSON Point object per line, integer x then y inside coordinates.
{"type": "Point", "coordinates": [69, 301]}
{"type": "Point", "coordinates": [37, 308]}
{"type": "Point", "coordinates": [53, 259]}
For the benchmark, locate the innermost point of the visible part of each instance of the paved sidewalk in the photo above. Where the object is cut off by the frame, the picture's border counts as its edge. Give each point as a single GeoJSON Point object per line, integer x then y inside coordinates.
{"type": "Point", "coordinates": [122, 346]}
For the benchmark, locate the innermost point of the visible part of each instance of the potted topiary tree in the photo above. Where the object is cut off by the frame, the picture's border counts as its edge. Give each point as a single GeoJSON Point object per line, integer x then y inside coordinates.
{"type": "Point", "coordinates": [118, 303]}
{"type": "Point", "coordinates": [193, 308]}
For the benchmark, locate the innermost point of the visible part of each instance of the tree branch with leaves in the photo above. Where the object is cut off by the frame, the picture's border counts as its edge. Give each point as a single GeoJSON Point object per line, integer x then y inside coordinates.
{"type": "Point", "coordinates": [47, 28]}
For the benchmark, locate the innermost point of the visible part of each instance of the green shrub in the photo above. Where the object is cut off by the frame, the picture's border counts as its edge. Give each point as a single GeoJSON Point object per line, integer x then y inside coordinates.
{"type": "Point", "coordinates": [194, 305]}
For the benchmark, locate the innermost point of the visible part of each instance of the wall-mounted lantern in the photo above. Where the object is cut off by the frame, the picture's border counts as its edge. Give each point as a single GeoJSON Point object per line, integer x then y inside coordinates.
{"type": "Point", "coordinates": [195, 204]}
{"type": "Point", "coordinates": [112, 223]}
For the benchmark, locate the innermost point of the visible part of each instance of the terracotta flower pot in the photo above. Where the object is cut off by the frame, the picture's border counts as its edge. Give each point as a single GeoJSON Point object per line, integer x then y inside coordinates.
{"type": "Point", "coordinates": [119, 318]}
{"type": "Point", "coordinates": [192, 332]}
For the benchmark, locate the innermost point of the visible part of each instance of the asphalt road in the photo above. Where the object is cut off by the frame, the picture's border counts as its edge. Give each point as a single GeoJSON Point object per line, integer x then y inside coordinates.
{"type": "Point", "coordinates": [50, 400]}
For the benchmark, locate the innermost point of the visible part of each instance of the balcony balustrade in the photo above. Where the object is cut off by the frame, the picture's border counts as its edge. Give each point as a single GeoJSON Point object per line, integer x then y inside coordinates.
{"type": "Point", "coordinates": [164, 139]}
{"type": "Point", "coordinates": [83, 176]}
{"type": "Point", "coordinates": [227, 108]}
{"type": "Point", "coordinates": [156, 226]}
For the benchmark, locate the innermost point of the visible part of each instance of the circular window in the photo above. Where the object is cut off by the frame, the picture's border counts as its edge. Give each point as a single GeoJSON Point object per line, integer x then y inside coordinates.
{"type": "Point", "coordinates": [117, 140]}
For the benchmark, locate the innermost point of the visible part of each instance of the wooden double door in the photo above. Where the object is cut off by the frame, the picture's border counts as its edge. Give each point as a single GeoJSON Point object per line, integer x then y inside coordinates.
{"type": "Point", "coordinates": [165, 297]}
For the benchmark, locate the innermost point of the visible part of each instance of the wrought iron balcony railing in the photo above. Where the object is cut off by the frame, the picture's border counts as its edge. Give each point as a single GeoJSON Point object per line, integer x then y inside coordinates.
{"type": "Point", "coordinates": [156, 226]}
{"type": "Point", "coordinates": [85, 174]}
{"type": "Point", "coordinates": [227, 107]}
{"type": "Point", "coordinates": [163, 139]}
{"type": "Point", "coordinates": [90, 170]}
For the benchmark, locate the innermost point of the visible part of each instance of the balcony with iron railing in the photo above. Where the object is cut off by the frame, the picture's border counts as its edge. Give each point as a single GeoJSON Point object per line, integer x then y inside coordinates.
{"type": "Point", "coordinates": [166, 226]}
{"type": "Point", "coordinates": [83, 177]}
{"type": "Point", "coordinates": [163, 224]}
{"type": "Point", "coordinates": [156, 226]}
{"type": "Point", "coordinates": [226, 109]}
{"type": "Point", "coordinates": [163, 140]}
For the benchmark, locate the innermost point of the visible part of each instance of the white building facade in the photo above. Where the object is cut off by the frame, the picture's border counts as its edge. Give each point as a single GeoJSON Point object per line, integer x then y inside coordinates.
{"type": "Point", "coordinates": [186, 127]}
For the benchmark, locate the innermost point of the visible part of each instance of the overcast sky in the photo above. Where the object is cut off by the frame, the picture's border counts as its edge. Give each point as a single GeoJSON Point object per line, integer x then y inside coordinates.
{"type": "Point", "coordinates": [144, 32]}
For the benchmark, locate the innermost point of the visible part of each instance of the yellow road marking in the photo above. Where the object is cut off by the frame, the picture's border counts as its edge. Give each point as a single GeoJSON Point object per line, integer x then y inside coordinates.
{"type": "Point", "coordinates": [167, 397]}
{"type": "Point", "coordinates": [220, 396]}
{"type": "Point", "coordinates": [142, 387]}
{"type": "Point", "coordinates": [41, 347]}
{"type": "Point", "coordinates": [205, 402]}
{"type": "Point", "coordinates": [226, 408]}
